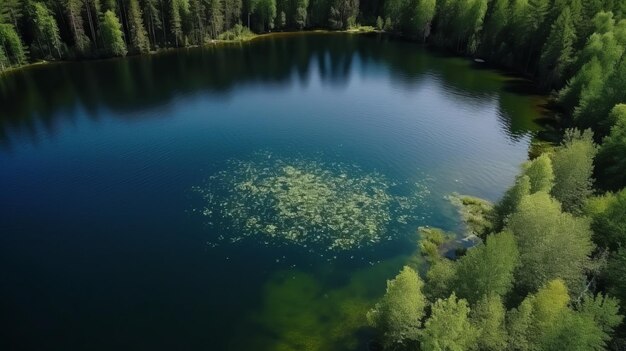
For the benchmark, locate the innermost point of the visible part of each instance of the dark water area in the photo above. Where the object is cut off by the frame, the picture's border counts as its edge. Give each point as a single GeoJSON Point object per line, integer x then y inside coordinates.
{"type": "Point", "coordinates": [103, 240]}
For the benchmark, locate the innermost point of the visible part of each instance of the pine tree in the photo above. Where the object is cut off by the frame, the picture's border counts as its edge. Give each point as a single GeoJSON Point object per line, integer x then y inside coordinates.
{"type": "Point", "coordinates": [4, 60]}
{"type": "Point", "coordinates": [12, 47]}
{"type": "Point", "coordinates": [11, 12]}
{"type": "Point", "coordinates": [301, 14]}
{"type": "Point", "coordinates": [572, 164]}
{"type": "Point", "coordinates": [74, 10]}
{"type": "Point", "coordinates": [558, 52]}
{"type": "Point", "coordinates": [112, 35]}
{"type": "Point", "coordinates": [216, 18]}
{"type": "Point", "coordinates": [138, 35]}
{"type": "Point", "coordinates": [419, 15]}
{"type": "Point", "coordinates": [176, 26]}
{"type": "Point", "coordinates": [152, 19]}
{"type": "Point", "coordinates": [611, 159]}
{"type": "Point", "coordinates": [232, 12]}
{"type": "Point", "coordinates": [46, 29]}
{"type": "Point", "coordinates": [495, 26]}
{"type": "Point", "coordinates": [198, 19]}
{"type": "Point", "coordinates": [92, 8]}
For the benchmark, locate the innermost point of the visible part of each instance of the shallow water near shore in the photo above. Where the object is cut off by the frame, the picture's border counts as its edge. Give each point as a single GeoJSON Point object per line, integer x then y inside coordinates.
{"type": "Point", "coordinates": [163, 202]}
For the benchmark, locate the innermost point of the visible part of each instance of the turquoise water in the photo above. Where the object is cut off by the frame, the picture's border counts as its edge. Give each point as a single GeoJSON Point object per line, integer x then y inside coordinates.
{"type": "Point", "coordinates": [119, 179]}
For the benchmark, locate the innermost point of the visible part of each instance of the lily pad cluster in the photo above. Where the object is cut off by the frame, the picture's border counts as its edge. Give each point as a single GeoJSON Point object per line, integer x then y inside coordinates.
{"type": "Point", "coordinates": [306, 202]}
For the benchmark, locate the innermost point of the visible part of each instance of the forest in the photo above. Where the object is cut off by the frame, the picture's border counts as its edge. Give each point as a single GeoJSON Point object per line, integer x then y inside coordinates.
{"type": "Point", "coordinates": [551, 272]}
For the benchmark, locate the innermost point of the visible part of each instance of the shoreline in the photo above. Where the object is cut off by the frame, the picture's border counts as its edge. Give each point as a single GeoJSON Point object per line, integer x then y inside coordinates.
{"type": "Point", "coordinates": [211, 43]}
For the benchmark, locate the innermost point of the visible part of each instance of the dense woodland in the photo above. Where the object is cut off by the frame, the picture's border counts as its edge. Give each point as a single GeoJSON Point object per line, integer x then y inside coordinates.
{"type": "Point", "coordinates": [551, 272]}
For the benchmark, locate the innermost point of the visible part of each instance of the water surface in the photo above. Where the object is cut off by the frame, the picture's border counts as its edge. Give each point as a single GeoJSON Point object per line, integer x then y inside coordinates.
{"type": "Point", "coordinates": [103, 246]}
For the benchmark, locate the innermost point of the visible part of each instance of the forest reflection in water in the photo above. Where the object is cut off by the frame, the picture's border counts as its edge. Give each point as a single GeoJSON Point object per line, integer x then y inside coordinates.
{"type": "Point", "coordinates": [33, 98]}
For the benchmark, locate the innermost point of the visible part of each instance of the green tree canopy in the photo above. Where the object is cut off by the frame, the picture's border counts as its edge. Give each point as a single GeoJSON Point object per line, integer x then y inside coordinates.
{"type": "Point", "coordinates": [398, 315]}
{"type": "Point", "coordinates": [112, 35]}
{"type": "Point", "coordinates": [552, 244]}
{"type": "Point", "coordinates": [573, 169]}
{"type": "Point", "coordinates": [540, 174]}
{"type": "Point", "coordinates": [558, 51]}
{"type": "Point", "coordinates": [488, 317]}
{"type": "Point", "coordinates": [611, 160]}
{"type": "Point", "coordinates": [46, 30]}
{"type": "Point", "coordinates": [138, 34]}
{"type": "Point", "coordinates": [12, 47]}
{"type": "Point", "coordinates": [487, 269]}
{"type": "Point", "coordinates": [448, 328]}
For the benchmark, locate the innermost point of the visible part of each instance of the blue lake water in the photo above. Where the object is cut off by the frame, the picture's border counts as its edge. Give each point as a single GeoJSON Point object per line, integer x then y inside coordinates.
{"type": "Point", "coordinates": [103, 243]}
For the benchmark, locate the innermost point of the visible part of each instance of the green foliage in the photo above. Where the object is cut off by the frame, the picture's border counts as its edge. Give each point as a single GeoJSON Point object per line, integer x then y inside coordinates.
{"type": "Point", "coordinates": [487, 269]}
{"type": "Point", "coordinates": [611, 159]}
{"type": "Point", "coordinates": [152, 18]}
{"type": "Point", "coordinates": [301, 13]}
{"type": "Point", "coordinates": [573, 169]}
{"type": "Point", "coordinates": [4, 60]}
{"type": "Point", "coordinates": [216, 18]}
{"type": "Point", "coordinates": [495, 25]}
{"type": "Point", "coordinates": [46, 30]}
{"type": "Point", "coordinates": [536, 317]}
{"type": "Point", "coordinates": [477, 214]}
{"type": "Point", "coordinates": [398, 314]}
{"type": "Point", "coordinates": [419, 15]}
{"type": "Point", "coordinates": [583, 85]}
{"type": "Point", "coordinates": [558, 52]}
{"type": "Point", "coordinates": [440, 278]}
{"type": "Point", "coordinates": [430, 240]}
{"type": "Point", "coordinates": [552, 244]}
{"type": "Point", "coordinates": [540, 174]}
{"type": "Point", "coordinates": [232, 12]}
{"type": "Point", "coordinates": [615, 276]}
{"type": "Point", "coordinates": [11, 12]}
{"type": "Point", "coordinates": [343, 13]}
{"type": "Point", "coordinates": [519, 322]}
{"type": "Point", "coordinates": [488, 316]}
{"type": "Point", "coordinates": [238, 32]}
{"type": "Point", "coordinates": [609, 220]}
{"type": "Point", "coordinates": [510, 201]}
{"type": "Point", "coordinates": [266, 11]}
{"type": "Point", "coordinates": [596, 318]}
{"type": "Point", "coordinates": [604, 311]}
{"type": "Point", "coordinates": [138, 35]}
{"type": "Point", "coordinates": [176, 25]}
{"type": "Point", "coordinates": [13, 51]}
{"type": "Point", "coordinates": [448, 328]}
{"type": "Point", "coordinates": [112, 35]}
{"type": "Point", "coordinates": [74, 9]}
{"type": "Point", "coordinates": [379, 23]}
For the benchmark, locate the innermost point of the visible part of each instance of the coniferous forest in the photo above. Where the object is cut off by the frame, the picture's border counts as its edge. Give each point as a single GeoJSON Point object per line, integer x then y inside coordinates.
{"type": "Point", "coordinates": [551, 271]}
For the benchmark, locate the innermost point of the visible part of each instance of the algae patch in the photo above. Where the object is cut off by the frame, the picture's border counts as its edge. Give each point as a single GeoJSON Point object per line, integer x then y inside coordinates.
{"type": "Point", "coordinates": [307, 202]}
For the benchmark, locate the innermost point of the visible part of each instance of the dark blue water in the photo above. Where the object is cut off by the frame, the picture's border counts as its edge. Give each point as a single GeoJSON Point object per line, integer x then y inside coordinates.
{"type": "Point", "coordinates": [101, 243]}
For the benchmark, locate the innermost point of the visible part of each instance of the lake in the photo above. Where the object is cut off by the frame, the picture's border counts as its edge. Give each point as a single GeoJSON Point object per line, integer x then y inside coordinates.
{"type": "Point", "coordinates": [249, 196]}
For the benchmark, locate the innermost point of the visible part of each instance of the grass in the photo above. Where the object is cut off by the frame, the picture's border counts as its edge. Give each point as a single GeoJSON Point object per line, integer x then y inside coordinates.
{"type": "Point", "coordinates": [475, 212]}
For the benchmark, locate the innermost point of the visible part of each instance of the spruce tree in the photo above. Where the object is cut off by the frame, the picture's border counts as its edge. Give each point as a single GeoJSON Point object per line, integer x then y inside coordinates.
{"type": "Point", "coordinates": [74, 9]}
{"type": "Point", "coordinates": [46, 30]}
{"type": "Point", "coordinates": [112, 35]}
{"type": "Point", "coordinates": [138, 35]}
{"type": "Point", "coordinates": [558, 52]}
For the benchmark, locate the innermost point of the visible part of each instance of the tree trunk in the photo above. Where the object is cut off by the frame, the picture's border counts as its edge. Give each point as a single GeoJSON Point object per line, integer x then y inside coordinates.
{"type": "Point", "coordinates": [91, 26]}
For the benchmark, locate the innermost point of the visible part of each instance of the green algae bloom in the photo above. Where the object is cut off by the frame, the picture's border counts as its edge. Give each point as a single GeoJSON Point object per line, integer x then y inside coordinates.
{"type": "Point", "coordinates": [306, 202]}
